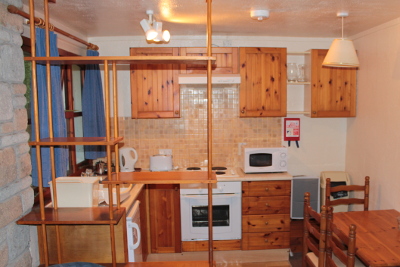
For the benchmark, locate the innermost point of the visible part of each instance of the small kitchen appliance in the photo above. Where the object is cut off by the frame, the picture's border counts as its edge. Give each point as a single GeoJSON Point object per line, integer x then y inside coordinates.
{"type": "Point", "coordinates": [264, 159]}
{"type": "Point", "coordinates": [127, 159]}
{"type": "Point", "coordinates": [159, 163]}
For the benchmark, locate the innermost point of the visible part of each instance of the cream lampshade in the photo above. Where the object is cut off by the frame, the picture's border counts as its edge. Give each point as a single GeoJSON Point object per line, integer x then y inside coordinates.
{"type": "Point", "coordinates": [341, 54]}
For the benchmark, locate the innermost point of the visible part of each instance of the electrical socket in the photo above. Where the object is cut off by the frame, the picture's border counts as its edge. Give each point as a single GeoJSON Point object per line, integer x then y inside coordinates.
{"type": "Point", "coordinates": [165, 151]}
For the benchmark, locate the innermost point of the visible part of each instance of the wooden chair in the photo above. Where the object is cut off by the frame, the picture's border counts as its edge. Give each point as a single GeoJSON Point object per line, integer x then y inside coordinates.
{"type": "Point", "coordinates": [346, 201]}
{"type": "Point", "coordinates": [314, 235]}
{"type": "Point", "coordinates": [340, 248]}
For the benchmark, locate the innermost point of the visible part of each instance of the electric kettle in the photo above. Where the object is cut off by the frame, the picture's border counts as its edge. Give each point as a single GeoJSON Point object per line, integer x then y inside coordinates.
{"type": "Point", "coordinates": [127, 159]}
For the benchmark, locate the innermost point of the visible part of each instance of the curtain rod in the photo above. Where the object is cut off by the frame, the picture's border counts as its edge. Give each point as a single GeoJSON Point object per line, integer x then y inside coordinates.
{"type": "Point", "coordinates": [40, 22]}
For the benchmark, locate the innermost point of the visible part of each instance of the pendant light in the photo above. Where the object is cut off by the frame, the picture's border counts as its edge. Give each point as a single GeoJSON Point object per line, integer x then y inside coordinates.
{"type": "Point", "coordinates": [153, 29]}
{"type": "Point", "coordinates": [341, 54]}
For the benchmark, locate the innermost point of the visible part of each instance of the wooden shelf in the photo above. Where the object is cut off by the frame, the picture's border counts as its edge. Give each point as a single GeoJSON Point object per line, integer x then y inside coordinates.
{"type": "Point", "coordinates": [70, 141]}
{"type": "Point", "coordinates": [170, 177]}
{"type": "Point", "coordinates": [199, 60]}
{"type": "Point", "coordinates": [298, 83]}
{"type": "Point", "coordinates": [159, 263]}
{"type": "Point", "coordinates": [93, 215]}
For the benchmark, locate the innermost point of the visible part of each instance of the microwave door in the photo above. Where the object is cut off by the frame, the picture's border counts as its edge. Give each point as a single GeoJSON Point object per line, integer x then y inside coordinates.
{"type": "Point", "coordinates": [260, 160]}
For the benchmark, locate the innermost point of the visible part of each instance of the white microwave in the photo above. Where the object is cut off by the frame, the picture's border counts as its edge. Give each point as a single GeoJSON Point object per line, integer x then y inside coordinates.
{"type": "Point", "coordinates": [266, 159]}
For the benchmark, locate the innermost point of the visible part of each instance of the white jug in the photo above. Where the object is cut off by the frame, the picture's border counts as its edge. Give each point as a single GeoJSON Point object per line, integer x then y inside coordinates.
{"type": "Point", "coordinates": [126, 159]}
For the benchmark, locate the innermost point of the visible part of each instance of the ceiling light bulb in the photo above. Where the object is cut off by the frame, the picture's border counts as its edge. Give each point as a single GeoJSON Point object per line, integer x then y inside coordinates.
{"type": "Point", "coordinates": [151, 34]}
{"type": "Point", "coordinates": [166, 36]}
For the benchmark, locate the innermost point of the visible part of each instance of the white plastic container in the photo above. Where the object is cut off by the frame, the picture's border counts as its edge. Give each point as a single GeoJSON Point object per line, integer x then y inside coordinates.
{"type": "Point", "coordinates": [77, 191]}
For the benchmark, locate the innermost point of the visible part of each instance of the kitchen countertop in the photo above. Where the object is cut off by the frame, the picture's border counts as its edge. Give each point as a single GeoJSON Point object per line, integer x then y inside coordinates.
{"type": "Point", "coordinates": [271, 176]}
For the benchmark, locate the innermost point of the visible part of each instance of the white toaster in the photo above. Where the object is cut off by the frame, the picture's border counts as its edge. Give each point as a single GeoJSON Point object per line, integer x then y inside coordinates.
{"type": "Point", "coordinates": [160, 163]}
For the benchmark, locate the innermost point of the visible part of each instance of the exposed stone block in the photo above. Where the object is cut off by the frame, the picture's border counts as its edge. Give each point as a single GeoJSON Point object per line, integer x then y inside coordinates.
{"type": "Point", "coordinates": [20, 119]}
{"type": "Point", "coordinates": [10, 211]}
{"type": "Point", "coordinates": [3, 254]}
{"type": "Point", "coordinates": [19, 89]}
{"type": "Point", "coordinates": [6, 128]}
{"type": "Point", "coordinates": [25, 166]}
{"type": "Point", "coordinates": [27, 197]}
{"type": "Point", "coordinates": [6, 107]}
{"type": "Point", "coordinates": [19, 101]}
{"type": "Point", "coordinates": [12, 67]}
{"type": "Point", "coordinates": [8, 166]}
{"type": "Point", "coordinates": [23, 260]}
{"type": "Point", "coordinates": [21, 137]}
{"type": "Point", "coordinates": [17, 239]}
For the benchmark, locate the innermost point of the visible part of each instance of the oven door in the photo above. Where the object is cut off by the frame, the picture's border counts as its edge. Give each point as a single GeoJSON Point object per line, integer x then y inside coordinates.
{"type": "Point", "coordinates": [226, 217]}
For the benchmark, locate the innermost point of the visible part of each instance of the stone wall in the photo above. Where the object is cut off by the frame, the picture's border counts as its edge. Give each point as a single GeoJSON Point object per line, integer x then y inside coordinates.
{"type": "Point", "coordinates": [18, 244]}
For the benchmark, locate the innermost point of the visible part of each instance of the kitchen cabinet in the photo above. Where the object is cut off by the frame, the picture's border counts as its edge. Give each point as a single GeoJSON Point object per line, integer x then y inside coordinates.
{"type": "Point", "coordinates": [154, 87]}
{"type": "Point", "coordinates": [332, 92]}
{"type": "Point", "coordinates": [263, 82]}
{"type": "Point", "coordinates": [227, 60]}
{"type": "Point", "coordinates": [266, 214]}
{"type": "Point", "coordinates": [165, 222]}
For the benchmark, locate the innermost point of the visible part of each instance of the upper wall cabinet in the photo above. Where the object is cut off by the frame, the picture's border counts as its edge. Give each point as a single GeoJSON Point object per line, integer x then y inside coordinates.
{"type": "Point", "coordinates": [227, 61]}
{"type": "Point", "coordinates": [263, 86]}
{"type": "Point", "coordinates": [332, 92]}
{"type": "Point", "coordinates": [154, 87]}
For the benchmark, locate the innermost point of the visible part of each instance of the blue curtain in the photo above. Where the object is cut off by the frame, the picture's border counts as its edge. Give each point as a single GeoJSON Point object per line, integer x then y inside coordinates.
{"type": "Point", "coordinates": [93, 116]}
{"type": "Point", "coordinates": [59, 123]}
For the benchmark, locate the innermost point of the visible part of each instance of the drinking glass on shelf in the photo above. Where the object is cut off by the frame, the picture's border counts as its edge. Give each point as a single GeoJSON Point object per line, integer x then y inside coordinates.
{"type": "Point", "coordinates": [291, 72]}
{"type": "Point", "coordinates": [301, 73]}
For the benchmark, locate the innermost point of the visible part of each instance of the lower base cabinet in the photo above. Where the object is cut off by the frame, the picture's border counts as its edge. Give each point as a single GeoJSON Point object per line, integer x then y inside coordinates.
{"type": "Point", "coordinates": [266, 215]}
{"type": "Point", "coordinates": [88, 243]}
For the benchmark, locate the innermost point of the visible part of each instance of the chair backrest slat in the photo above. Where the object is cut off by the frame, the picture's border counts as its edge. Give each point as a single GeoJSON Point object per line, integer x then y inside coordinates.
{"type": "Point", "coordinates": [335, 236]}
{"type": "Point", "coordinates": [350, 188]}
{"type": "Point", "coordinates": [314, 235]}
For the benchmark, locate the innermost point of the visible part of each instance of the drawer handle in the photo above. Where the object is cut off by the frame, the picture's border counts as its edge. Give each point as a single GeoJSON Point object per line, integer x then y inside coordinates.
{"type": "Point", "coordinates": [266, 240]}
{"type": "Point", "coordinates": [266, 204]}
{"type": "Point", "coordinates": [266, 223]}
{"type": "Point", "coordinates": [267, 189]}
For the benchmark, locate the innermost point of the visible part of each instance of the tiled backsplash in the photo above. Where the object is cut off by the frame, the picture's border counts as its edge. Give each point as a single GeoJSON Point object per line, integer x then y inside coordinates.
{"type": "Point", "coordinates": [187, 136]}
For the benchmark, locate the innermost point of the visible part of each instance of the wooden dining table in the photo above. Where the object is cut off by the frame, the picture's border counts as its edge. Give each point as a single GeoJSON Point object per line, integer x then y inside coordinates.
{"type": "Point", "coordinates": [378, 235]}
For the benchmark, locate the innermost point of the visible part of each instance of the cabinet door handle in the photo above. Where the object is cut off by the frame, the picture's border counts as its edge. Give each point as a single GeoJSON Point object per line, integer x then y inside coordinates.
{"type": "Point", "coordinates": [266, 204]}
{"type": "Point", "coordinates": [266, 240]}
{"type": "Point", "coordinates": [267, 189]}
{"type": "Point", "coordinates": [266, 223]}
{"type": "Point", "coordinates": [176, 112]}
{"type": "Point", "coordinates": [242, 111]}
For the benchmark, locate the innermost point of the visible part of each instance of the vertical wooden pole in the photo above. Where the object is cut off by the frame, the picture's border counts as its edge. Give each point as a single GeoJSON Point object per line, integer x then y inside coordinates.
{"type": "Point", "coordinates": [108, 137]}
{"type": "Point", "coordinates": [209, 133]}
{"type": "Point", "coordinates": [37, 133]}
{"type": "Point", "coordinates": [50, 124]}
{"type": "Point", "coordinates": [115, 114]}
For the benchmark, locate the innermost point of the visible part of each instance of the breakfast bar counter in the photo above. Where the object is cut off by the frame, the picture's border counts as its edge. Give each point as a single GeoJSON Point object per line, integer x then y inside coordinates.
{"type": "Point", "coordinates": [271, 176]}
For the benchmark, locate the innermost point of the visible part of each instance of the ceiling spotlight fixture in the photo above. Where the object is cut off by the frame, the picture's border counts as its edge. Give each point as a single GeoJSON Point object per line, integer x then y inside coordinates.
{"type": "Point", "coordinates": [153, 29]}
{"type": "Point", "coordinates": [259, 14]}
{"type": "Point", "coordinates": [341, 53]}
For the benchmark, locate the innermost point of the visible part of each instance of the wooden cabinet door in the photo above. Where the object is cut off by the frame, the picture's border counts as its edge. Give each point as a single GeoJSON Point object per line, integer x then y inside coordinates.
{"type": "Point", "coordinates": [332, 92]}
{"type": "Point", "coordinates": [263, 82]}
{"type": "Point", "coordinates": [165, 224]}
{"type": "Point", "coordinates": [154, 87]}
{"type": "Point", "coordinates": [227, 60]}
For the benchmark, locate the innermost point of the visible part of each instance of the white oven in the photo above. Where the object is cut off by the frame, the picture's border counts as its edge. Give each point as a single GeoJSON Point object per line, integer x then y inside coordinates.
{"type": "Point", "coordinates": [227, 211]}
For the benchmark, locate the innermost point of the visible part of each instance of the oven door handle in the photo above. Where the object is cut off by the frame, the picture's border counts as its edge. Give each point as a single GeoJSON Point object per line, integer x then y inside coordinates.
{"type": "Point", "coordinates": [135, 226]}
{"type": "Point", "coordinates": [214, 195]}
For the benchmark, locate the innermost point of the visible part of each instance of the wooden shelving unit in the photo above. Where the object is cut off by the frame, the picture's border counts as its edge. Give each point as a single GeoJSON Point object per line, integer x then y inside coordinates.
{"type": "Point", "coordinates": [171, 177]}
{"type": "Point", "coordinates": [111, 215]}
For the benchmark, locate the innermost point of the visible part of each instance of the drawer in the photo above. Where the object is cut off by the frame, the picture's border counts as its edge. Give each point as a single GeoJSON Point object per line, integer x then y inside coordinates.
{"type": "Point", "coordinates": [266, 188]}
{"type": "Point", "coordinates": [266, 240]}
{"type": "Point", "coordinates": [265, 223]}
{"type": "Point", "coordinates": [265, 205]}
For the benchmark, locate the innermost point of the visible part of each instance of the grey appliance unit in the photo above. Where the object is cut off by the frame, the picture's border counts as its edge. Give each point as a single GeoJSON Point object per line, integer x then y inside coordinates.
{"type": "Point", "coordinates": [301, 185]}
